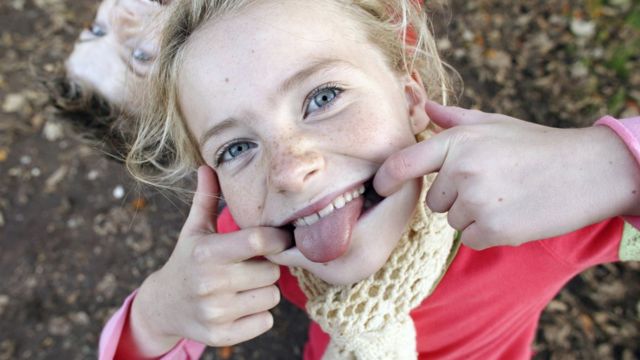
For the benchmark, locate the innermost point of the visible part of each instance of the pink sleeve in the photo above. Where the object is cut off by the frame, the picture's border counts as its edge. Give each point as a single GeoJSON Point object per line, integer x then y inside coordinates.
{"type": "Point", "coordinates": [112, 333]}
{"type": "Point", "coordinates": [629, 132]}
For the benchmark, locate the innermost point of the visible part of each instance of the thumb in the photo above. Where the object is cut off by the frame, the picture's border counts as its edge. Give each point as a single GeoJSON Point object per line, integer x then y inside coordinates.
{"type": "Point", "coordinates": [414, 161]}
{"type": "Point", "coordinates": [204, 208]}
{"type": "Point", "coordinates": [450, 116]}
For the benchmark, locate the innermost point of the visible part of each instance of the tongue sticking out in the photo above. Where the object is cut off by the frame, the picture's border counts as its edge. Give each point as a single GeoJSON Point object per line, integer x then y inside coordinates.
{"type": "Point", "coordinates": [329, 237]}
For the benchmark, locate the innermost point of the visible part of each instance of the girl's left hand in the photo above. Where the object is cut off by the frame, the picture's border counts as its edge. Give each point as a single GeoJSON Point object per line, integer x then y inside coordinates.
{"type": "Point", "coordinates": [505, 181]}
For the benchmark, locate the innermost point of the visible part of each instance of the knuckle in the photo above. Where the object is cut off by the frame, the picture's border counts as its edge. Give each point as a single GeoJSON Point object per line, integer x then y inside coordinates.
{"type": "Point", "coordinates": [256, 242]}
{"type": "Point", "coordinates": [268, 321]}
{"type": "Point", "coordinates": [215, 315]}
{"type": "Point", "coordinates": [275, 295]}
{"type": "Point", "coordinates": [201, 252]}
{"type": "Point", "coordinates": [274, 274]}
{"type": "Point", "coordinates": [466, 168]}
{"type": "Point", "coordinates": [203, 289]}
{"type": "Point", "coordinates": [398, 166]}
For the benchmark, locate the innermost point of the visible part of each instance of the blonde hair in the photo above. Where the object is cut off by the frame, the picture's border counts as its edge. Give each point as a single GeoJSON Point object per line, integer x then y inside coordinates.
{"type": "Point", "coordinates": [165, 152]}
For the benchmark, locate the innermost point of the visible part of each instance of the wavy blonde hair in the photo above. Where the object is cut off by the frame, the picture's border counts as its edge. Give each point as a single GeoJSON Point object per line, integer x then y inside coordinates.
{"type": "Point", "coordinates": [165, 152]}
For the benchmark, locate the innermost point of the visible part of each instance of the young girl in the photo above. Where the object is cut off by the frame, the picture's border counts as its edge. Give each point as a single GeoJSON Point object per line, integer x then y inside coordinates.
{"type": "Point", "coordinates": [295, 111]}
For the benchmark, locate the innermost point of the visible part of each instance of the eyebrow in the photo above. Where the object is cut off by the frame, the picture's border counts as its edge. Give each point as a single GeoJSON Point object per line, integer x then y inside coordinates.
{"type": "Point", "coordinates": [314, 67]}
{"type": "Point", "coordinates": [216, 129]}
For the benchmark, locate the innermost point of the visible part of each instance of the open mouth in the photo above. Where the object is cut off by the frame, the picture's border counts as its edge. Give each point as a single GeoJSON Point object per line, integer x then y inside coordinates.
{"type": "Point", "coordinates": [326, 234]}
{"type": "Point", "coordinates": [366, 191]}
{"type": "Point", "coordinates": [371, 197]}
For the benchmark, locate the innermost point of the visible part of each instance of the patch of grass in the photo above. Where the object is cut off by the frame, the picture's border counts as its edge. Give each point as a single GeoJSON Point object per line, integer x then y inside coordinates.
{"type": "Point", "coordinates": [619, 61]}
{"type": "Point", "coordinates": [617, 101]}
{"type": "Point", "coordinates": [633, 19]}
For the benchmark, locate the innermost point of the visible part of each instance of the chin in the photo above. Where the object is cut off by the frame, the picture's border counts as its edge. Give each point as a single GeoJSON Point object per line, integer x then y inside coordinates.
{"type": "Point", "coordinates": [373, 243]}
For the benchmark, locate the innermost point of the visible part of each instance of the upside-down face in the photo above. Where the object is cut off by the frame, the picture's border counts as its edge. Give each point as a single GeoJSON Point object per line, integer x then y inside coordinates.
{"type": "Point", "coordinates": [115, 53]}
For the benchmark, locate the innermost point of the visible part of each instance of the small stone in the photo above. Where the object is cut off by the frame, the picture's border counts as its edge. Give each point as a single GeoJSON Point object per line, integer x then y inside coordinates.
{"type": "Point", "coordinates": [25, 160]}
{"type": "Point", "coordinates": [139, 244]}
{"type": "Point", "coordinates": [59, 326]}
{"type": "Point", "coordinates": [107, 286]}
{"type": "Point", "coordinates": [557, 306]}
{"type": "Point", "coordinates": [80, 318]}
{"type": "Point", "coordinates": [92, 175]}
{"type": "Point", "coordinates": [118, 192]}
{"type": "Point", "coordinates": [579, 70]}
{"type": "Point", "coordinates": [31, 282]}
{"type": "Point", "coordinates": [444, 44]}
{"type": "Point", "coordinates": [35, 172]}
{"type": "Point", "coordinates": [53, 130]}
{"type": "Point", "coordinates": [14, 103]}
{"type": "Point", "coordinates": [583, 28]}
{"type": "Point", "coordinates": [47, 342]}
{"type": "Point", "coordinates": [74, 222]}
{"type": "Point", "coordinates": [51, 184]}
{"type": "Point", "coordinates": [18, 4]}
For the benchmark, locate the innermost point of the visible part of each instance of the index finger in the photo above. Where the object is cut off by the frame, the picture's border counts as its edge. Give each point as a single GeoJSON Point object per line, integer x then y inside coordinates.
{"type": "Point", "coordinates": [414, 161]}
{"type": "Point", "coordinates": [204, 208]}
{"type": "Point", "coordinates": [451, 116]}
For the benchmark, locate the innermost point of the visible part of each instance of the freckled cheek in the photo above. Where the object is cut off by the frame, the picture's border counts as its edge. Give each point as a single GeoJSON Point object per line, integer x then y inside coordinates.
{"type": "Point", "coordinates": [375, 135]}
{"type": "Point", "coordinates": [243, 201]}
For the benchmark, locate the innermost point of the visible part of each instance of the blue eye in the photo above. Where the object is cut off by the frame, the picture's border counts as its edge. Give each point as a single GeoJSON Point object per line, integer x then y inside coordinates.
{"type": "Point", "coordinates": [321, 98]}
{"type": "Point", "coordinates": [97, 30]}
{"type": "Point", "coordinates": [234, 150]}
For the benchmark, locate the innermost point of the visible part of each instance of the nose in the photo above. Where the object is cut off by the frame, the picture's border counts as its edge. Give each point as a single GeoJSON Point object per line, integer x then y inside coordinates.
{"type": "Point", "coordinates": [125, 23]}
{"type": "Point", "coordinates": [292, 169]}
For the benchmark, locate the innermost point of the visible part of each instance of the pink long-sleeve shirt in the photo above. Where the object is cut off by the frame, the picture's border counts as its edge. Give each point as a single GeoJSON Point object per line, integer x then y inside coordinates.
{"type": "Point", "coordinates": [487, 305]}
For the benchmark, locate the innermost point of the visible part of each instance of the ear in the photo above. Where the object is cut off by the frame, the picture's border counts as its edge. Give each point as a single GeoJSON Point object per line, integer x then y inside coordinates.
{"type": "Point", "coordinates": [416, 97]}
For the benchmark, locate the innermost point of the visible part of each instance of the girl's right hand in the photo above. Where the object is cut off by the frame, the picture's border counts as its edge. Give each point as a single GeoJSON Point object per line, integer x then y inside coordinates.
{"type": "Point", "coordinates": [211, 289]}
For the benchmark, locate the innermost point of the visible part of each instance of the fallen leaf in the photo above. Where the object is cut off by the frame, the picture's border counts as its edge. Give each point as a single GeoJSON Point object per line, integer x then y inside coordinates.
{"type": "Point", "coordinates": [225, 352]}
{"type": "Point", "coordinates": [139, 203]}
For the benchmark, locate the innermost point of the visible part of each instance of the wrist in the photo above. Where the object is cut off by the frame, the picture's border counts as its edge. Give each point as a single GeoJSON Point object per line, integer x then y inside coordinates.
{"type": "Point", "coordinates": [621, 167]}
{"type": "Point", "coordinates": [148, 333]}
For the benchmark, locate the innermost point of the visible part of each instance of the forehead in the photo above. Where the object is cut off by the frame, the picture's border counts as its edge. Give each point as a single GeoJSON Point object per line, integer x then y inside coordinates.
{"type": "Point", "coordinates": [268, 38]}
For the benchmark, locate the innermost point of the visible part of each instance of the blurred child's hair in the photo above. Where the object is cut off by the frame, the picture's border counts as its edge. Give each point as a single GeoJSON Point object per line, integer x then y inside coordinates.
{"type": "Point", "coordinates": [90, 115]}
{"type": "Point", "coordinates": [164, 152]}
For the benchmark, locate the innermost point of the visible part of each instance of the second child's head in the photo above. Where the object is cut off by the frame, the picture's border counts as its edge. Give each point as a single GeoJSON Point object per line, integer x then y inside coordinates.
{"type": "Point", "coordinates": [295, 105]}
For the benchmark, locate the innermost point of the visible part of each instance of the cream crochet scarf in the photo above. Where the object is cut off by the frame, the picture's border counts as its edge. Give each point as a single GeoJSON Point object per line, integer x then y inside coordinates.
{"type": "Point", "coordinates": [370, 319]}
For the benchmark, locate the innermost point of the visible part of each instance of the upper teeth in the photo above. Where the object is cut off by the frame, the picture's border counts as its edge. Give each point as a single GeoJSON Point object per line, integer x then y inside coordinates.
{"type": "Point", "coordinates": [337, 203]}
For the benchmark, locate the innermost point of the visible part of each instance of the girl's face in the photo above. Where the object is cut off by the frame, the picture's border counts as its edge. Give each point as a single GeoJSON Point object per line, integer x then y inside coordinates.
{"type": "Point", "coordinates": [295, 110]}
{"type": "Point", "coordinates": [114, 54]}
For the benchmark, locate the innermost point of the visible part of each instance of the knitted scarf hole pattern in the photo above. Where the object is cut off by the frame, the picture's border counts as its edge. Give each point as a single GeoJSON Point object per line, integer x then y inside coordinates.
{"type": "Point", "coordinates": [370, 319]}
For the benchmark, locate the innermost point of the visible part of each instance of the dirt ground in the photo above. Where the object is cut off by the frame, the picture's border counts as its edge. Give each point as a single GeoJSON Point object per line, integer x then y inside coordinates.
{"type": "Point", "coordinates": [77, 235]}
